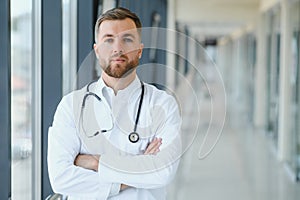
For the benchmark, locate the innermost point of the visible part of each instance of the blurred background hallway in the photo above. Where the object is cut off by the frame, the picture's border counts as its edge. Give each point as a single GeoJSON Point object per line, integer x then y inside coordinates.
{"type": "Point", "coordinates": [234, 66]}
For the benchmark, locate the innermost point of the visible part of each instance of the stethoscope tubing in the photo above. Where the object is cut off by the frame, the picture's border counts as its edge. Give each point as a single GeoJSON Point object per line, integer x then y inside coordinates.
{"type": "Point", "coordinates": [133, 136]}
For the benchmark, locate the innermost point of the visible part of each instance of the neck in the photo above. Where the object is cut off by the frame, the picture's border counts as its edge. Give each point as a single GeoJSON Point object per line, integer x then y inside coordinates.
{"type": "Point", "coordinates": [118, 83]}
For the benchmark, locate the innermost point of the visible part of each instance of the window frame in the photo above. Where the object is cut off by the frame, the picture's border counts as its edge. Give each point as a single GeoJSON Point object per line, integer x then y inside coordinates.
{"type": "Point", "coordinates": [36, 101]}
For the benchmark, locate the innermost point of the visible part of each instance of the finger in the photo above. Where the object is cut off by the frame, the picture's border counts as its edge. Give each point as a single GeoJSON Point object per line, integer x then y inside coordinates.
{"type": "Point", "coordinates": [153, 143]}
{"type": "Point", "coordinates": [153, 147]}
{"type": "Point", "coordinates": [155, 150]}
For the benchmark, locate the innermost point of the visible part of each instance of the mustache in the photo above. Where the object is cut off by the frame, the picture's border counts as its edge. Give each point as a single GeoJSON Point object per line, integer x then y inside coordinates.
{"type": "Point", "coordinates": [119, 55]}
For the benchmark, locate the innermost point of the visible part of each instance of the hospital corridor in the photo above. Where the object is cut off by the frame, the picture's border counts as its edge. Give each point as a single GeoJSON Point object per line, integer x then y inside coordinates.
{"type": "Point", "coordinates": [150, 100]}
{"type": "Point", "coordinates": [242, 165]}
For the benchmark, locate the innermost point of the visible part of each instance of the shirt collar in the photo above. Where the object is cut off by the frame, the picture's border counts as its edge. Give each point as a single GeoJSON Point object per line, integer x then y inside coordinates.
{"type": "Point", "coordinates": [101, 85]}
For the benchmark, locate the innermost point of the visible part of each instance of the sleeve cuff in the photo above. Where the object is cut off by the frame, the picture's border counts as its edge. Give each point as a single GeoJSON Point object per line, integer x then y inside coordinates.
{"type": "Point", "coordinates": [115, 189]}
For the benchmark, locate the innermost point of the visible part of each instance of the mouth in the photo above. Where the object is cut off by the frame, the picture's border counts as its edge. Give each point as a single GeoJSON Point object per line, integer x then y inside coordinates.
{"type": "Point", "coordinates": [118, 60]}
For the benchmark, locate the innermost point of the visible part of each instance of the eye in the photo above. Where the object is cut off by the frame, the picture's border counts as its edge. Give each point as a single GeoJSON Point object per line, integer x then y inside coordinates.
{"type": "Point", "coordinates": [109, 40]}
{"type": "Point", "coordinates": [128, 40]}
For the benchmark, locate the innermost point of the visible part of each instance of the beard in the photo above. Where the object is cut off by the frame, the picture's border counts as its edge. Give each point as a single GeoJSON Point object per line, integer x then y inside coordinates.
{"type": "Point", "coordinates": [119, 70]}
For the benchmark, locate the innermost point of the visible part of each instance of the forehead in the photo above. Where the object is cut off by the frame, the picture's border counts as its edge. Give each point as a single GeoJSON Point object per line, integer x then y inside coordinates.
{"type": "Point", "coordinates": [116, 27]}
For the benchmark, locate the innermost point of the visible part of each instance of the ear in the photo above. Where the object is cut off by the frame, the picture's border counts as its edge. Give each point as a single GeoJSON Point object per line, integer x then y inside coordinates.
{"type": "Point", "coordinates": [96, 49]}
{"type": "Point", "coordinates": [140, 51]}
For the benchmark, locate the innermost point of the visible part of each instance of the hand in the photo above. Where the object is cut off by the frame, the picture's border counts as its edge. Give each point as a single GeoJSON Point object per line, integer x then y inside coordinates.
{"type": "Point", "coordinates": [87, 161]}
{"type": "Point", "coordinates": [123, 187]}
{"type": "Point", "coordinates": [153, 147]}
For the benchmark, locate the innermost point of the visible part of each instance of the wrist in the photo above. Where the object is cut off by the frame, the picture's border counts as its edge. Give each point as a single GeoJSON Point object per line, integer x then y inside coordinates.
{"type": "Point", "coordinates": [96, 163]}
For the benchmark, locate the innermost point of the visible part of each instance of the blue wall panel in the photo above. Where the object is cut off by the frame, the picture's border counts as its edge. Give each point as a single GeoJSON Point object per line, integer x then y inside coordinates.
{"type": "Point", "coordinates": [149, 70]}
{"type": "Point", "coordinates": [5, 156]}
{"type": "Point", "coordinates": [51, 76]}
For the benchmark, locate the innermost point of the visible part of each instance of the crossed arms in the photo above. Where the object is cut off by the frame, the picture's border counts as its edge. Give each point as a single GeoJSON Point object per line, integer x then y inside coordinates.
{"type": "Point", "coordinates": [91, 162]}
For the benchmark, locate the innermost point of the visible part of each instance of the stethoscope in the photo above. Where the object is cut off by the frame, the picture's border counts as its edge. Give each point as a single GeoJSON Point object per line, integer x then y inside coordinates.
{"type": "Point", "coordinates": [133, 136]}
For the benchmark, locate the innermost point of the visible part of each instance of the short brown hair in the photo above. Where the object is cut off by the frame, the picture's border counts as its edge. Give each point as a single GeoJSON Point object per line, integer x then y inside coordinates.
{"type": "Point", "coordinates": [118, 14]}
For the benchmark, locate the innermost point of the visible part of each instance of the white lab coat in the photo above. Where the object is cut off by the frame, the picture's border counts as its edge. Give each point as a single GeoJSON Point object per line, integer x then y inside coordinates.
{"type": "Point", "coordinates": [121, 161]}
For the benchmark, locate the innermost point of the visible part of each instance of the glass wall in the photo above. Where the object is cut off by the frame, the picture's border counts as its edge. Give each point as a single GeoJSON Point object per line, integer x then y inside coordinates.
{"type": "Point", "coordinates": [69, 34]}
{"type": "Point", "coordinates": [21, 91]}
{"type": "Point", "coordinates": [181, 46]}
{"type": "Point", "coordinates": [273, 66]}
{"type": "Point", "coordinates": [250, 51]}
{"type": "Point", "coordinates": [294, 147]}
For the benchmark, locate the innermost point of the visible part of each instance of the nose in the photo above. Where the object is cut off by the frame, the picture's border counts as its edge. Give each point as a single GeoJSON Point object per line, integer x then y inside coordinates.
{"type": "Point", "coordinates": [118, 47]}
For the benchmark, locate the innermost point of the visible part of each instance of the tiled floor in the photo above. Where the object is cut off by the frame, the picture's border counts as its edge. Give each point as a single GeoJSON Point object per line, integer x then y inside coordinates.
{"type": "Point", "coordinates": [240, 167]}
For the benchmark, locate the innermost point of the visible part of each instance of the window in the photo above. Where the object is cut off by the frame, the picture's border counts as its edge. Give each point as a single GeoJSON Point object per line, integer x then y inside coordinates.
{"type": "Point", "coordinates": [69, 34]}
{"type": "Point", "coordinates": [21, 95]}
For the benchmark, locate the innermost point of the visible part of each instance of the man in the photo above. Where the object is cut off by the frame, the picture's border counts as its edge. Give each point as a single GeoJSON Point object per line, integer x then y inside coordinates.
{"type": "Point", "coordinates": [117, 161]}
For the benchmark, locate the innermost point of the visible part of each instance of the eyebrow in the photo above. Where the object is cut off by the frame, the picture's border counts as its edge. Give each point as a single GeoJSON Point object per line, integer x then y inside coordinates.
{"type": "Point", "coordinates": [125, 35]}
{"type": "Point", "coordinates": [128, 35]}
{"type": "Point", "coordinates": [107, 35]}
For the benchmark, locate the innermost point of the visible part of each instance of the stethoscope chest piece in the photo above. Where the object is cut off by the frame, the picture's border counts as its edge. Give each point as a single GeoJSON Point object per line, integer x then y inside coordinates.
{"type": "Point", "coordinates": [133, 137]}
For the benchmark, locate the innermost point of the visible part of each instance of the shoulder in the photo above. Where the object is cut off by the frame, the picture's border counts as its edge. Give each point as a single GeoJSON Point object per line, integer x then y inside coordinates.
{"type": "Point", "coordinates": [153, 89]}
{"type": "Point", "coordinates": [162, 104]}
{"type": "Point", "coordinates": [69, 107]}
{"type": "Point", "coordinates": [73, 96]}
{"type": "Point", "coordinates": [71, 101]}
{"type": "Point", "coordinates": [158, 95]}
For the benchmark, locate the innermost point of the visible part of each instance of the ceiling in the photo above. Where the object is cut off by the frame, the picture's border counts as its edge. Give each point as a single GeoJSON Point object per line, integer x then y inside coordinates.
{"type": "Point", "coordinates": [216, 17]}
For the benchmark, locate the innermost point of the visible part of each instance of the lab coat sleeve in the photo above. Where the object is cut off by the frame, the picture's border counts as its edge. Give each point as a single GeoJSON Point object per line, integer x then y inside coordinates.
{"type": "Point", "coordinates": [148, 171]}
{"type": "Point", "coordinates": [63, 146]}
